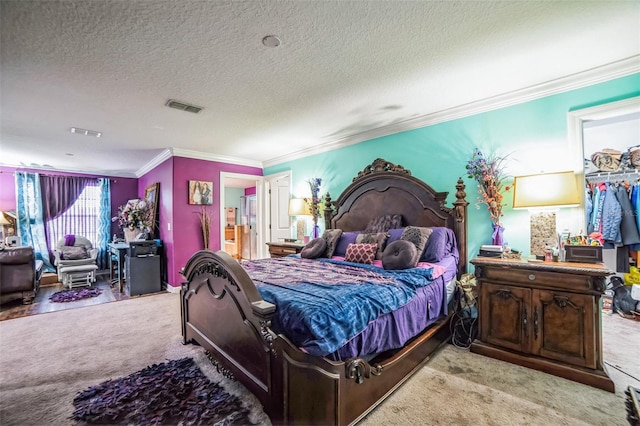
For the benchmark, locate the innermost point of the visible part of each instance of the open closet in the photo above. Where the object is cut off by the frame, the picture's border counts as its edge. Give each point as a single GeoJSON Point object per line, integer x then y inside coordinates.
{"type": "Point", "coordinates": [611, 147]}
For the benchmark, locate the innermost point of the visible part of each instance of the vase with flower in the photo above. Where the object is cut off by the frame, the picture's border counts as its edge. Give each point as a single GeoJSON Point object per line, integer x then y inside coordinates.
{"type": "Point", "coordinates": [314, 185]}
{"type": "Point", "coordinates": [488, 172]}
{"type": "Point", "coordinates": [134, 218]}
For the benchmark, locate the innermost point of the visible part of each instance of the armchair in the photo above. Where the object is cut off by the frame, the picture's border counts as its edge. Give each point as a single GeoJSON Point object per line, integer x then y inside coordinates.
{"type": "Point", "coordinates": [19, 274]}
{"type": "Point", "coordinates": [75, 254]}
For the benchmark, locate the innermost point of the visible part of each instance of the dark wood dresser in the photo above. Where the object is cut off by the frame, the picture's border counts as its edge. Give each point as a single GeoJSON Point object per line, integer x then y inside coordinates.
{"type": "Point", "coordinates": [544, 316]}
{"type": "Point", "coordinates": [281, 249]}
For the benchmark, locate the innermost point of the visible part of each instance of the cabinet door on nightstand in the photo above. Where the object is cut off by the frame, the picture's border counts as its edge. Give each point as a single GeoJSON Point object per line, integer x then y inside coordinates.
{"type": "Point", "coordinates": [564, 327]}
{"type": "Point", "coordinates": [504, 316]}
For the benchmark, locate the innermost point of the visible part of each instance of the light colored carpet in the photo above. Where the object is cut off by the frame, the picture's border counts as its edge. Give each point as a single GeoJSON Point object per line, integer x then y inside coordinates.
{"type": "Point", "coordinates": [46, 359]}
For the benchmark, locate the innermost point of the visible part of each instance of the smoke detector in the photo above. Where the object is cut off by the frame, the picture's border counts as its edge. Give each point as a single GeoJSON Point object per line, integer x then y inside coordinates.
{"type": "Point", "coordinates": [183, 106]}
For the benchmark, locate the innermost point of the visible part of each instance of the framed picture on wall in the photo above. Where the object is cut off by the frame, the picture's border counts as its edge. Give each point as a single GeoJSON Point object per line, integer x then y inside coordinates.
{"type": "Point", "coordinates": [200, 192]}
{"type": "Point", "coordinates": [151, 197]}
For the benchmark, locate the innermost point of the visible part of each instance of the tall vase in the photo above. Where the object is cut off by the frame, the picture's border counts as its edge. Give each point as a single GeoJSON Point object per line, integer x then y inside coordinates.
{"type": "Point", "coordinates": [497, 239]}
{"type": "Point", "coordinates": [130, 234]}
{"type": "Point", "coordinates": [315, 233]}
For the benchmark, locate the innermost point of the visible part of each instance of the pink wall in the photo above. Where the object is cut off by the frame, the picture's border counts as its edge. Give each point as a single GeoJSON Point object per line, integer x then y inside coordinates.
{"type": "Point", "coordinates": [122, 189]}
{"type": "Point", "coordinates": [186, 222]}
{"type": "Point", "coordinates": [250, 191]}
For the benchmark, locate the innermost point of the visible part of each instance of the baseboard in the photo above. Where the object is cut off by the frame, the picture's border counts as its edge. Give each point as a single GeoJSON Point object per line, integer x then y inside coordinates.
{"type": "Point", "coordinates": [172, 289]}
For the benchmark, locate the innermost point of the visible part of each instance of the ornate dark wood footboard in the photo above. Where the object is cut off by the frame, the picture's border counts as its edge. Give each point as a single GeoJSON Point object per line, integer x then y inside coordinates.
{"type": "Point", "coordinates": [223, 311]}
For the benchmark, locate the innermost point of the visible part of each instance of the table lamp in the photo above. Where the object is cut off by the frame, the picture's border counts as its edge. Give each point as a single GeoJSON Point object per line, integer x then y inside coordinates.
{"type": "Point", "coordinates": [543, 194]}
{"type": "Point", "coordinates": [300, 207]}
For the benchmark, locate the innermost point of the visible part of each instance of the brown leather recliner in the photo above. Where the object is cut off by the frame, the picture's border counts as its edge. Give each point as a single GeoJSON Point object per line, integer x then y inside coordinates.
{"type": "Point", "coordinates": [19, 274]}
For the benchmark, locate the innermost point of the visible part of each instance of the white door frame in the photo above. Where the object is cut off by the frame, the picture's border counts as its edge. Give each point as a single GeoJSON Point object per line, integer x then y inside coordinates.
{"type": "Point", "coordinates": [575, 121]}
{"type": "Point", "coordinates": [262, 231]}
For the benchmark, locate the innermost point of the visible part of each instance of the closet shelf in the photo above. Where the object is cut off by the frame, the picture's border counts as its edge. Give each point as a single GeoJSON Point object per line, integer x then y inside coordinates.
{"type": "Point", "coordinates": [619, 175]}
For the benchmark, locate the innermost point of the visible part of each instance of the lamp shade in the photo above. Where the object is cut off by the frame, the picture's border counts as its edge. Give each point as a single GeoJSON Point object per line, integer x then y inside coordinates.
{"type": "Point", "coordinates": [299, 207]}
{"type": "Point", "coordinates": [3, 220]}
{"type": "Point", "coordinates": [545, 190]}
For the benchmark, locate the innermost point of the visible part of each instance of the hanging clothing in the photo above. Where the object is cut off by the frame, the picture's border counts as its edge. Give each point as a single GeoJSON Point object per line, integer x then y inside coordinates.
{"type": "Point", "coordinates": [628, 225]}
{"type": "Point", "coordinates": [611, 217]}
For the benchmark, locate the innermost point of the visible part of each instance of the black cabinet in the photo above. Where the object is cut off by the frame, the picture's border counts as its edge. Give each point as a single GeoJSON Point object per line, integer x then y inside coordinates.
{"type": "Point", "coordinates": [142, 268]}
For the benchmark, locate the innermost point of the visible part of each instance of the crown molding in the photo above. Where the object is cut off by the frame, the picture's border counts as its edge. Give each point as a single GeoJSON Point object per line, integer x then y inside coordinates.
{"type": "Point", "coordinates": [178, 152]}
{"type": "Point", "coordinates": [155, 162]}
{"type": "Point", "coordinates": [589, 77]}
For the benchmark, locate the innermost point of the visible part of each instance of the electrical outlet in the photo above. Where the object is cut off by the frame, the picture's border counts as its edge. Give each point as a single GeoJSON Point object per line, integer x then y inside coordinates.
{"type": "Point", "coordinates": [168, 226]}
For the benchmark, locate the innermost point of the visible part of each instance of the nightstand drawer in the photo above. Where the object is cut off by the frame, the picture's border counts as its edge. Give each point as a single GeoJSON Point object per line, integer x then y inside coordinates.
{"type": "Point", "coordinates": [284, 249]}
{"type": "Point", "coordinates": [539, 278]}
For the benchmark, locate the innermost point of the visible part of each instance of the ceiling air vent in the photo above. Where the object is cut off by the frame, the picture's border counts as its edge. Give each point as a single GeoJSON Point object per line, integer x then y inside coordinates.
{"type": "Point", "coordinates": [182, 106]}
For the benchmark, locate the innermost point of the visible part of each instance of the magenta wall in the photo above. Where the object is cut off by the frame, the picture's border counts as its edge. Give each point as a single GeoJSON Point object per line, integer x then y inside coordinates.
{"type": "Point", "coordinates": [122, 189]}
{"type": "Point", "coordinates": [180, 230]}
{"type": "Point", "coordinates": [163, 174]}
{"type": "Point", "coordinates": [187, 234]}
{"type": "Point", "coordinates": [250, 191]}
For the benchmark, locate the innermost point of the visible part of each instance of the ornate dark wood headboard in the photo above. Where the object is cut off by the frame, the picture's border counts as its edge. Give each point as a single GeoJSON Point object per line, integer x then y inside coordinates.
{"type": "Point", "coordinates": [386, 188]}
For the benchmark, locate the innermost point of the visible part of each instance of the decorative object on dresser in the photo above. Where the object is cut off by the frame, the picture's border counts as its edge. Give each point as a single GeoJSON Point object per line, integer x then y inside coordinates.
{"type": "Point", "coordinates": [300, 208]}
{"type": "Point", "coordinates": [281, 249]}
{"type": "Point", "coordinates": [544, 316]}
{"type": "Point", "coordinates": [488, 172]}
{"type": "Point", "coordinates": [543, 194]}
{"type": "Point", "coordinates": [314, 185]}
{"type": "Point", "coordinates": [223, 310]}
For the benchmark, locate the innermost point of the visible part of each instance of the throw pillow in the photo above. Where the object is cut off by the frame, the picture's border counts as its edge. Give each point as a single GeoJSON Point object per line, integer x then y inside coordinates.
{"type": "Point", "coordinates": [314, 248]}
{"type": "Point", "coordinates": [379, 238]}
{"type": "Point", "coordinates": [418, 236]}
{"type": "Point", "coordinates": [400, 254]}
{"type": "Point", "coordinates": [343, 242]}
{"type": "Point", "coordinates": [73, 253]}
{"type": "Point", "coordinates": [361, 253]}
{"type": "Point", "coordinates": [383, 223]}
{"type": "Point", "coordinates": [331, 236]}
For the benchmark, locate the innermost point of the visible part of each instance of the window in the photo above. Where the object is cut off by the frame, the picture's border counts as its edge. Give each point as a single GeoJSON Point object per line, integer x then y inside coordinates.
{"type": "Point", "coordinates": [82, 218]}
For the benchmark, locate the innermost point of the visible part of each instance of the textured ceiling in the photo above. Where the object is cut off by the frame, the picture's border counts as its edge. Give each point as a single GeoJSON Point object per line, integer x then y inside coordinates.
{"type": "Point", "coordinates": [344, 68]}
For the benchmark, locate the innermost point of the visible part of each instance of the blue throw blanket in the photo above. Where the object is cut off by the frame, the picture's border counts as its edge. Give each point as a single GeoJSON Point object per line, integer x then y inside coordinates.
{"type": "Point", "coordinates": [323, 303]}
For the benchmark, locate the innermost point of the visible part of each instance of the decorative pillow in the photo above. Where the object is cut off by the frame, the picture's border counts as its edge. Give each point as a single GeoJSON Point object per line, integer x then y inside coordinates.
{"type": "Point", "coordinates": [331, 236]}
{"type": "Point", "coordinates": [314, 248]}
{"type": "Point", "coordinates": [418, 236]}
{"type": "Point", "coordinates": [379, 238]}
{"type": "Point", "coordinates": [73, 253]}
{"type": "Point", "coordinates": [394, 234]}
{"type": "Point", "coordinates": [441, 243]}
{"type": "Point", "coordinates": [345, 239]}
{"type": "Point", "coordinates": [400, 254]}
{"type": "Point", "coordinates": [361, 253]}
{"type": "Point", "coordinates": [383, 223]}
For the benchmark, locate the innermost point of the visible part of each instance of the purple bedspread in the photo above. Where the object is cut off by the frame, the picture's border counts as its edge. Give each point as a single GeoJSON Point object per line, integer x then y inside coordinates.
{"type": "Point", "coordinates": [395, 329]}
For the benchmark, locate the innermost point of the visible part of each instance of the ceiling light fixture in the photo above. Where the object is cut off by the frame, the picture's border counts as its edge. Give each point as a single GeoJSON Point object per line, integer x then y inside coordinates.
{"type": "Point", "coordinates": [271, 41]}
{"type": "Point", "coordinates": [86, 132]}
{"type": "Point", "coordinates": [183, 106]}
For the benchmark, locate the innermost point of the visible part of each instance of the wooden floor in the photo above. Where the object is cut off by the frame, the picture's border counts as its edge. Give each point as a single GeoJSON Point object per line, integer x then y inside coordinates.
{"type": "Point", "coordinates": [42, 304]}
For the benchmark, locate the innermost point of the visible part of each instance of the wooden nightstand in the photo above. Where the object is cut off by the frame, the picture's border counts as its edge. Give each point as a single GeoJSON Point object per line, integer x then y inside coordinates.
{"type": "Point", "coordinates": [544, 316]}
{"type": "Point", "coordinates": [281, 249]}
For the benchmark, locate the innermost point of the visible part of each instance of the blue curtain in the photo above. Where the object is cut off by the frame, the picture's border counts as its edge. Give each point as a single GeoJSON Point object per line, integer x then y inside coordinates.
{"type": "Point", "coordinates": [29, 214]}
{"type": "Point", "coordinates": [104, 223]}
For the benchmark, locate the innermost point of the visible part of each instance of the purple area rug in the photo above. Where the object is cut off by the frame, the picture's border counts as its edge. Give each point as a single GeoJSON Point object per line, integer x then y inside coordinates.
{"type": "Point", "coordinates": [172, 393]}
{"type": "Point", "coordinates": [75, 294]}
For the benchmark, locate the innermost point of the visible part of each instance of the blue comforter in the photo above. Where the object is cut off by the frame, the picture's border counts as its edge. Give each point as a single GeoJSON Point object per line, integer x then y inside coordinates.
{"type": "Point", "coordinates": [322, 303]}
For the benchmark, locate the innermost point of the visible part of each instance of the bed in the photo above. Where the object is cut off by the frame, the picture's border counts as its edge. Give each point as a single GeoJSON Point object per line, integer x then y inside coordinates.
{"type": "Point", "coordinates": [223, 310]}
